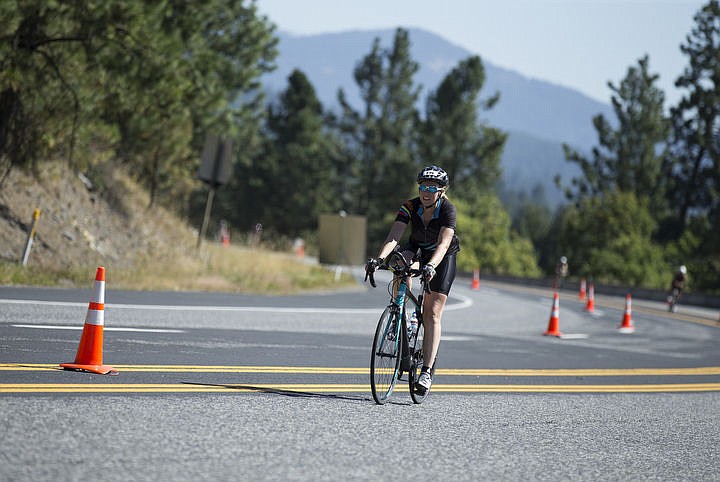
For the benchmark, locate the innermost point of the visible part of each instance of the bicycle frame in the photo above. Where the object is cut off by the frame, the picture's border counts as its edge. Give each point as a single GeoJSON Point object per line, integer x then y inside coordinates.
{"type": "Point", "coordinates": [398, 302]}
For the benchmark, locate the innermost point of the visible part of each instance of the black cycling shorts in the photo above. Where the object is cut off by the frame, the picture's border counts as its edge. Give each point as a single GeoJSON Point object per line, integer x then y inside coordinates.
{"type": "Point", "coordinates": [444, 272]}
{"type": "Point", "coordinates": [444, 275]}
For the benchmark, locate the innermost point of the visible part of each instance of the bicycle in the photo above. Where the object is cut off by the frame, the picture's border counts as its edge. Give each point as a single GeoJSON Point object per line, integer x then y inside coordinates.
{"type": "Point", "coordinates": [673, 299]}
{"type": "Point", "coordinates": [396, 350]}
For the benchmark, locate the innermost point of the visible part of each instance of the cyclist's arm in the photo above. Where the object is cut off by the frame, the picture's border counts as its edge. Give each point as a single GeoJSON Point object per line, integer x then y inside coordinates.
{"type": "Point", "coordinates": [393, 238]}
{"type": "Point", "coordinates": [444, 239]}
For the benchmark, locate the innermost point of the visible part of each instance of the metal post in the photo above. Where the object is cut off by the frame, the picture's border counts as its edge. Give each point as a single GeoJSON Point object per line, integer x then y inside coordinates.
{"type": "Point", "coordinates": [341, 258]}
{"type": "Point", "coordinates": [206, 217]}
{"type": "Point", "coordinates": [31, 236]}
{"type": "Point", "coordinates": [219, 152]}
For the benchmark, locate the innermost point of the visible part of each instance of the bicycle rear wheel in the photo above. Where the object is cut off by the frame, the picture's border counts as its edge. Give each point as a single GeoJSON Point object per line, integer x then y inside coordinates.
{"type": "Point", "coordinates": [385, 359]}
{"type": "Point", "coordinates": [417, 393]}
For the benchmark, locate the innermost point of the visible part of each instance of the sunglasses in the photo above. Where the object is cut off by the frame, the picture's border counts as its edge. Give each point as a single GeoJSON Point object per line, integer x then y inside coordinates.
{"type": "Point", "coordinates": [432, 189]}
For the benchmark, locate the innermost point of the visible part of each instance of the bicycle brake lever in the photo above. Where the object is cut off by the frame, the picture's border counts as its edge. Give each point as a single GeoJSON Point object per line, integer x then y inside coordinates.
{"type": "Point", "coordinates": [369, 274]}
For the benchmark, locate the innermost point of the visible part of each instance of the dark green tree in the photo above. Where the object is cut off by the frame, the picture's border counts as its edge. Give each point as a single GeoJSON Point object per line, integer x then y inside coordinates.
{"type": "Point", "coordinates": [694, 154]}
{"type": "Point", "coordinates": [452, 136]}
{"type": "Point", "coordinates": [383, 135]}
{"type": "Point", "coordinates": [533, 218]}
{"type": "Point", "coordinates": [142, 81]}
{"type": "Point", "coordinates": [292, 180]}
{"type": "Point", "coordinates": [609, 237]}
{"type": "Point", "coordinates": [488, 242]}
{"type": "Point", "coordinates": [629, 155]}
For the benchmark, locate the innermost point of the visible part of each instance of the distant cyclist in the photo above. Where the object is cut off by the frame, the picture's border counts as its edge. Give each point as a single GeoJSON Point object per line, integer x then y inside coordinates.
{"type": "Point", "coordinates": [432, 218]}
{"type": "Point", "coordinates": [678, 283]}
{"type": "Point", "coordinates": [561, 272]}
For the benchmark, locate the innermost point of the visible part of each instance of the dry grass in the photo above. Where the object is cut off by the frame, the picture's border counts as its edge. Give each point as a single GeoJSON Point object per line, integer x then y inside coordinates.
{"type": "Point", "coordinates": [219, 269]}
{"type": "Point", "coordinates": [232, 269]}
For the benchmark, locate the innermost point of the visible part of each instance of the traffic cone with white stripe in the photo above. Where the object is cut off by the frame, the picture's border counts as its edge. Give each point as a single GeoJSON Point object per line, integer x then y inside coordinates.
{"type": "Point", "coordinates": [590, 306]}
{"type": "Point", "coordinates": [583, 289]}
{"type": "Point", "coordinates": [89, 355]}
{"type": "Point", "coordinates": [476, 279]}
{"type": "Point", "coordinates": [627, 326]}
{"type": "Point", "coordinates": [554, 323]}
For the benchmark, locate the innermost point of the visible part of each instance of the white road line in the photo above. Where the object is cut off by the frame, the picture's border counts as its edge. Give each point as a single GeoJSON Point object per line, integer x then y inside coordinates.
{"type": "Point", "coordinates": [465, 302]}
{"type": "Point", "coordinates": [574, 336]}
{"type": "Point", "coordinates": [107, 328]}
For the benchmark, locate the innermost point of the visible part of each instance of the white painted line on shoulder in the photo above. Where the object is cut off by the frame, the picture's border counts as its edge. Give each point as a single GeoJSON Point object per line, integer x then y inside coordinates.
{"type": "Point", "coordinates": [465, 302]}
{"type": "Point", "coordinates": [107, 328]}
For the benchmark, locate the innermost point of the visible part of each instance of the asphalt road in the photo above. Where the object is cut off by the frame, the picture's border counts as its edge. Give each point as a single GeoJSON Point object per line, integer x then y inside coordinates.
{"type": "Point", "coordinates": [239, 387]}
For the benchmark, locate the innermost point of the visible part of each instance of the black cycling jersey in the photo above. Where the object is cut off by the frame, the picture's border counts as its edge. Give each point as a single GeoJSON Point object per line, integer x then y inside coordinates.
{"type": "Point", "coordinates": [426, 237]}
{"type": "Point", "coordinates": [678, 280]}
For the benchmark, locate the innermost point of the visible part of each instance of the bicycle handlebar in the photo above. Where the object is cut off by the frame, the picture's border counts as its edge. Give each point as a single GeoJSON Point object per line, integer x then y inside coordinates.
{"type": "Point", "coordinates": [396, 263]}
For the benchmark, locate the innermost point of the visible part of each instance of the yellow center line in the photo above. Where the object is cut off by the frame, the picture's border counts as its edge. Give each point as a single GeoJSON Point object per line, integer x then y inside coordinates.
{"type": "Point", "coordinates": [521, 372]}
{"type": "Point", "coordinates": [346, 388]}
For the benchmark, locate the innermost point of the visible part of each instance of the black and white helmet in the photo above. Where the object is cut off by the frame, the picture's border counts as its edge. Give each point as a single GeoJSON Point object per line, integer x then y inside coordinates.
{"type": "Point", "coordinates": [434, 173]}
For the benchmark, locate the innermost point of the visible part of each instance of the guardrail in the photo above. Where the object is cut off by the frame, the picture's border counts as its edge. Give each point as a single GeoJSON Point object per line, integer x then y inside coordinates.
{"type": "Point", "coordinates": [688, 298]}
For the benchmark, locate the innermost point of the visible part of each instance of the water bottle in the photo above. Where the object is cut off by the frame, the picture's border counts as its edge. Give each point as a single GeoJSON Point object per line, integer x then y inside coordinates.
{"type": "Point", "coordinates": [412, 324]}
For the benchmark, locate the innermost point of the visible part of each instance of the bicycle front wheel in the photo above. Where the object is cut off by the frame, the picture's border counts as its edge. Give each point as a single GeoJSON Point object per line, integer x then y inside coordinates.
{"type": "Point", "coordinates": [385, 360]}
{"type": "Point", "coordinates": [417, 393]}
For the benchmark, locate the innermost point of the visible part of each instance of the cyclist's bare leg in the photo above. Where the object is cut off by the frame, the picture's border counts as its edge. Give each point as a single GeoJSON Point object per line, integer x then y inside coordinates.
{"type": "Point", "coordinates": [434, 304]}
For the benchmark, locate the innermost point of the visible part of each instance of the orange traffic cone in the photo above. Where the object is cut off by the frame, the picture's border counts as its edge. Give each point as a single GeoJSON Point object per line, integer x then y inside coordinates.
{"type": "Point", "coordinates": [627, 326]}
{"type": "Point", "coordinates": [590, 307]}
{"type": "Point", "coordinates": [299, 246]}
{"type": "Point", "coordinates": [476, 279]}
{"type": "Point", "coordinates": [583, 291]}
{"type": "Point", "coordinates": [89, 354]}
{"type": "Point", "coordinates": [554, 323]}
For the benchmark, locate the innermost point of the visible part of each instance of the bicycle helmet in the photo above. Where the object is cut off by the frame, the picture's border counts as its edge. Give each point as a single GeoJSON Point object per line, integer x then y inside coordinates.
{"type": "Point", "coordinates": [563, 260]}
{"type": "Point", "coordinates": [433, 173]}
{"type": "Point", "coordinates": [683, 269]}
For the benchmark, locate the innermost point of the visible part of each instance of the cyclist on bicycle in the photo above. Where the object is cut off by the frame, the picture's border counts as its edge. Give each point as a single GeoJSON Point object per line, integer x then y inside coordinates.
{"type": "Point", "coordinates": [678, 283]}
{"type": "Point", "coordinates": [561, 272]}
{"type": "Point", "coordinates": [432, 218]}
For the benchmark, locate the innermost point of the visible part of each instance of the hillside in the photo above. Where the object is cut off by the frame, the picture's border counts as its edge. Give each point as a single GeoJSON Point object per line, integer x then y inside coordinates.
{"type": "Point", "coordinates": [528, 161]}
{"type": "Point", "coordinates": [106, 221]}
{"type": "Point", "coordinates": [80, 227]}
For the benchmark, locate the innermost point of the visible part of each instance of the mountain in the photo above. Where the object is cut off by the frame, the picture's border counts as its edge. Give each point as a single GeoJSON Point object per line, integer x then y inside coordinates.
{"type": "Point", "coordinates": [538, 115]}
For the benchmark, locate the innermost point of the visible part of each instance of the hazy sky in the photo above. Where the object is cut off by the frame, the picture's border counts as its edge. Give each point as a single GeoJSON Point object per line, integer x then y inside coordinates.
{"type": "Point", "coordinates": [581, 44]}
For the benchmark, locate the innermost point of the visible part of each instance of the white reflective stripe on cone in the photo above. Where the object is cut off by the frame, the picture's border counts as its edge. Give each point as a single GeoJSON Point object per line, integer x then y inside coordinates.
{"type": "Point", "coordinates": [95, 317]}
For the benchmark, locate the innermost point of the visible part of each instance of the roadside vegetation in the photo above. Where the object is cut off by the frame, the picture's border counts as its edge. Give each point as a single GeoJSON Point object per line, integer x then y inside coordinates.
{"type": "Point", "coordinates": [137, 86]}
{"type": "Point", "coordinates": [218, 268]}
{"type": "Point", "coordinates": [107, 222]}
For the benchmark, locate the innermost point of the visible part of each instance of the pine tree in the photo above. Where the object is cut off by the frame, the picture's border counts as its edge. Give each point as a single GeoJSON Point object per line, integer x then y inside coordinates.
{"type": "Point", "coordinates": [294, 175]}
{"type": "Point", "coordinates": [694, 154]}
{"type": "Point", "coordinates": [628, 158]}
{"type": "Point", "coordinates": [452, 136]}
{"type": "Point", "coordinates": [695, 149]}
{"type": "Point", "coordinates": [383, 135]}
